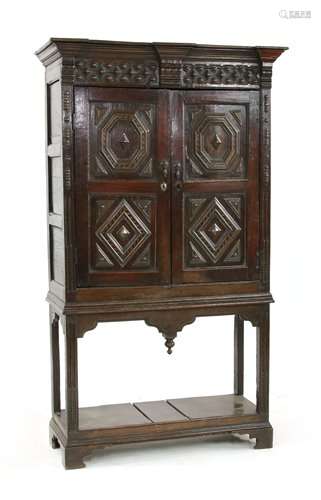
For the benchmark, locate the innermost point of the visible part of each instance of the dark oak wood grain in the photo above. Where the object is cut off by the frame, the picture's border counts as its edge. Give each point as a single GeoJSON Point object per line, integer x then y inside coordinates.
{"type": "Point", "coordinates": [100, 417]}
{"type": "Point", "coordinates": [214, 406]}
{"type": "Point", "coordinates": [153, 412]}
{"type": "Point", "coordinates": [160, 411]}
{"type": "Point", "coordinates": [158, 180]}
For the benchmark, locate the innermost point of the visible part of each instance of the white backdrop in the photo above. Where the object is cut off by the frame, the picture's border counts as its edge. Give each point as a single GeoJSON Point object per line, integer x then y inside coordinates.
{"type": "Point", "coordinates": [202, 360]}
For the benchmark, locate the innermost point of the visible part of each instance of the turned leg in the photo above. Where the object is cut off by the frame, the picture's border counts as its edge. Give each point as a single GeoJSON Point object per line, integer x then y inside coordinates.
{"type": "Point", "coordinates": [55, 372]}
{"type": "Point", "coordinates": [262, 364]}
{"type": "Point", "coordinates": [71, 375]}
{"type": "Point", "coordinates": [55, 362]}
{"type": "Point", "coordinates": [238, 355]}
{"type": "Point", "coordinates": [260, 318]}
{"type": "Point", "coordinates": [73, 457]}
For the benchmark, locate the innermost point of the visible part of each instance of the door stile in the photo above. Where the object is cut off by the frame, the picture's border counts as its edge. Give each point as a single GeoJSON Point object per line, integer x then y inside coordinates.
{"type": "Point", "coordinates": [177, 184]}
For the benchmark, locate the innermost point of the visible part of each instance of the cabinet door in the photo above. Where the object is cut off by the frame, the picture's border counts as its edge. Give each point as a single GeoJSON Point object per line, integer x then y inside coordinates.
{"type": "Point", "coordinates": [122, 202]}
{"type": "Point", "coordinates": [215, 188]}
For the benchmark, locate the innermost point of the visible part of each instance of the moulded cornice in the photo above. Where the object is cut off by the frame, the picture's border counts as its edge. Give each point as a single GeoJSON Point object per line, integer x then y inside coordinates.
{"type": "Point", "coordinates": [161, 65]}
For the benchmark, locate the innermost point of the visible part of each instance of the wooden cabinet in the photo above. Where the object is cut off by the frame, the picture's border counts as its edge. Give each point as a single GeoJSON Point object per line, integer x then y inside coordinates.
{"type": "Point", "coordinates": [158, 162]}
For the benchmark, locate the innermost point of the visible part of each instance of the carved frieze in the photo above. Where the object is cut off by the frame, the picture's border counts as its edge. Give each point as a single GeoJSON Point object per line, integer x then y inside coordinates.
{"type": "Point", "coordinates": [117, 73]}
{"type": "Point", "coordinates": [209, 75]}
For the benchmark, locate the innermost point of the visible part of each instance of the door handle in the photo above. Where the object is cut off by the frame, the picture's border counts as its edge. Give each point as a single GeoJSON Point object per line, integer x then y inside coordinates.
{"type": "Point", "coordinates": [178, 175]}
{"type": "Point", "coordinates": [164, 168]}
{"type": "Point", "coordinates": [178, 170]}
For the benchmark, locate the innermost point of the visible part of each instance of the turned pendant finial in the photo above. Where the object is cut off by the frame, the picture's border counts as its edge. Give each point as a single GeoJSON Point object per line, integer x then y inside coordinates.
{"type": "Point", "coordinates": [169, 344]}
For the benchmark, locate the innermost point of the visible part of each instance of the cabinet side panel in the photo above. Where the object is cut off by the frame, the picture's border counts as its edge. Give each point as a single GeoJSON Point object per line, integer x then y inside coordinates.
{"type": "Point", "coordinates": [54, 112]}
{"type": "Point", "coordinates": [55, 188]}
{"type": "Point", "coordinates": [57, 269]}
{"type": "Point", "coordinates": [55, 185]}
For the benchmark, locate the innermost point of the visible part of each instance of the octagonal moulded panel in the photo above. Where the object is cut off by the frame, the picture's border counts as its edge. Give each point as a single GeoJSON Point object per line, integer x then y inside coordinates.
{"type": "Point", "coordinates": [216, 141]}
{"type": "Point", "coordinates": [122, 140]}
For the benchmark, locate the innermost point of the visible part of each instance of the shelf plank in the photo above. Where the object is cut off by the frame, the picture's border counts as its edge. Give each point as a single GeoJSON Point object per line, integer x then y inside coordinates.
{"type": "Point", "coordinates": [160, 411]}
{"type": "Point", "coordinates": [214, 406]}
{"type": "Point", "coordinates": [103, 417]}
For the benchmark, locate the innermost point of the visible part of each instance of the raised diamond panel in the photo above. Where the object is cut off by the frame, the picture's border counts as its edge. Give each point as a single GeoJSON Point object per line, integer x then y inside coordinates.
{"type": "Point", "coordinates": [215, 232]}
{"type": "Point", "coordinates": [123, 232]}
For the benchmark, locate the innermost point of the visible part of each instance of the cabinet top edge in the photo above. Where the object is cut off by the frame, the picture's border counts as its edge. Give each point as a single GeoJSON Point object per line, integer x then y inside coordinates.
{"type": "Point", "coordinates": [56, 48]}
{"type": "Point", "coordinates": [174, 44]}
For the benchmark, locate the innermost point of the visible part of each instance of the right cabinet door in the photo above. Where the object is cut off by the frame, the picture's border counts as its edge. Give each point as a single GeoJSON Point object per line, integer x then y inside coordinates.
{"type": "Point", "coordinates": [215, 191]}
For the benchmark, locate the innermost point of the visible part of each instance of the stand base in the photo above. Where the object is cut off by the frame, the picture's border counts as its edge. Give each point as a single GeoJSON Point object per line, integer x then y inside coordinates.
{"type": "Point", "coordinates": [109, 425]}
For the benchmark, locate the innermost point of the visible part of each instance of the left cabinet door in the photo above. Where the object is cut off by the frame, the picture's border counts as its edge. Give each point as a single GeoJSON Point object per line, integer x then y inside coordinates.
{"type": "Point", "coordinates": [121, 186]}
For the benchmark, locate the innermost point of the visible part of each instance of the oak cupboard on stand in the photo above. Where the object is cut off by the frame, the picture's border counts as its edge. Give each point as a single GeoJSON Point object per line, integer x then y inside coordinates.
{"type": "Point", "coordinates": [158, 168]}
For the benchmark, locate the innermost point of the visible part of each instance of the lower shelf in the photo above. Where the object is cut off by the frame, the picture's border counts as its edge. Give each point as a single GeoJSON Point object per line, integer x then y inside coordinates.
{"type": "Point", "coordinates": [119, 424]}
{"type": "Point", "coordinates": [156, 412]}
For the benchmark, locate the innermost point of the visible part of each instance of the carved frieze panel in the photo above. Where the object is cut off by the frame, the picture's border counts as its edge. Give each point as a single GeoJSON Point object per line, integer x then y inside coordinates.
{"type": "Point", "coordinates": [216, 145]}
{"type": "Point", "coordinates": [122, 139]}
{"type": "Point", "coordinates": [214, 230]}
{"type": "Point", "coordinates": [123, 231]}
{"type": "Point", "coordinates": [117, 73]}
{"type": "Point", "coordinates": [220, 75]}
